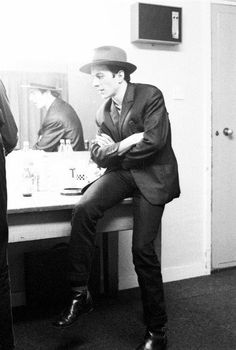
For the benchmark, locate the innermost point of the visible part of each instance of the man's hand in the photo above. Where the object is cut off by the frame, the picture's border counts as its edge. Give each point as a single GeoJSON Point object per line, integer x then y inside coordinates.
{"type": "Point", "coordinates": [104, 140]}
{"type": "Point", "coordinates": [135, 138]}
{"type": "Point", "coordinates": [130, 141]}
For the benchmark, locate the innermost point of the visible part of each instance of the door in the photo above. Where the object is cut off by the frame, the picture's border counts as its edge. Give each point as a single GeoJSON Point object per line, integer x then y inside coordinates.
{"type": "Point", "coordinates": [224, 136]}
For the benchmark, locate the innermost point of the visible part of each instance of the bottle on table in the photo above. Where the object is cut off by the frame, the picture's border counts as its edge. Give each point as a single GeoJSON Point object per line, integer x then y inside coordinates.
{"type": "Point", "coordinates": [68, 147]}
{"type": "Point", "coordinates": [27, 182]}
{"type": "Point", "coordinates": [86, 145]}
{"type": "Point", "coordinates": [28, 171]}
{"type": "Point", "coordinates": [25, 146]}
{"type": "Point", "coordinates": [62, 146]}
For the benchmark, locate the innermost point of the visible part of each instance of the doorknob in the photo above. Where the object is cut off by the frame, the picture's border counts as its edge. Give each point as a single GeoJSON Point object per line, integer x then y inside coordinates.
{"type": "Point", "coordinates": [228, 132]}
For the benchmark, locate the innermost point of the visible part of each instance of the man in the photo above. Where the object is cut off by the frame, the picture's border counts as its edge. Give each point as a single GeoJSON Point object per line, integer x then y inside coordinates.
{"type": "Point", "coordinates": [60, 122]}
{"type": "Point", "coordinates": [134, 144]}
{"type": "Point", "coordinates": [8, 140]}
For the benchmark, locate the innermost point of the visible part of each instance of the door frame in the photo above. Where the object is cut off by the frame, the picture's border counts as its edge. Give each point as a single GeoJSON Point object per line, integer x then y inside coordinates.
{"type": "Point", "coordinates": [210, 108]}
{"type": "Point", "coordinates": [228, 4]}
{"type": "Point", "coordinates": [207, 93]}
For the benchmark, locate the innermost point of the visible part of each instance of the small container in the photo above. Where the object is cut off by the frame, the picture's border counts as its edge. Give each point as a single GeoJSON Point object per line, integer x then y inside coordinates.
{"type": "Point", "coordinates": [26, 146]}
{"type": "Point", "coordinates": [68, 147]}
{"type": "Point", "coordinates": [62, 146]}
{"type": "Point", "coordinates": [27, 182]}
{"type": "Point", "coordinates": [86, 145]}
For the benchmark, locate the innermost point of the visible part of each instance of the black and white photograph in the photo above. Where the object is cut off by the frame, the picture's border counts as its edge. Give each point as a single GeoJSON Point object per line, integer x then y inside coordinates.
{"type": "Point", "coordinates": [117, 175]}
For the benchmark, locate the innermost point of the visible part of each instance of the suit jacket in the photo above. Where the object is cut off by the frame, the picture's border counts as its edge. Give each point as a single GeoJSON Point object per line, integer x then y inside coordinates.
{"type": "Point", "coordinates": [8, 128]}
{"type": "Point", "coordinates": [152, 161]}
{"type": "Point", "coordinates": [8, 140]}
{"type": "Point", "coordinates": [60, 122]}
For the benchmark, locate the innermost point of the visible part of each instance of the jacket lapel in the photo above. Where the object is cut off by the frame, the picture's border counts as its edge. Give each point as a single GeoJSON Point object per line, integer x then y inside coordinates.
{"type": "Point", "coordinates": [127, 104]}
{"type": "Point", "coordinates": [112, 119]}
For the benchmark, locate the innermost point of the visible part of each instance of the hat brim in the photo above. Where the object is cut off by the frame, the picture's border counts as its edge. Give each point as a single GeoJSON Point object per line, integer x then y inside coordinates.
{"type": "Point", "coordinates": [40, 87]}
{"type": "Point", "coordinates": [128, 67]}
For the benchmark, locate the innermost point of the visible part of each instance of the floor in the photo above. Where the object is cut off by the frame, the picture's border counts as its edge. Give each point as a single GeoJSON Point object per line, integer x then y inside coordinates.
{"type": "Point", "coordinates": [202, 316]}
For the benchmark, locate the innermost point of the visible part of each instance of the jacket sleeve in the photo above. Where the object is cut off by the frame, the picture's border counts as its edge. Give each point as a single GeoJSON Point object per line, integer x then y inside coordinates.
{"type": "Point", "coordinates": [8, 128]}
{"type": "Point", "coordinates": [156, 129]}
{"type": "Point", "coordinates": [49, 136]}
{"type": "Point", "coordinates": [106, 156]}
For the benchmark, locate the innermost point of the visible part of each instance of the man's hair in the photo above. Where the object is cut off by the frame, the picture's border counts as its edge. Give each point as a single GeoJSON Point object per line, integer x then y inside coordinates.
{"type": "Point", "coordinates": [115, 69]}
{"type": "Point", "coordinates": [53, 92]}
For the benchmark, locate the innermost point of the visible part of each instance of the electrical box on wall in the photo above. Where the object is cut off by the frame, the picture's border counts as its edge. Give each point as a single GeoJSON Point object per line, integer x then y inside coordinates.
{"type": "Point", "coordinates": [156, 24]}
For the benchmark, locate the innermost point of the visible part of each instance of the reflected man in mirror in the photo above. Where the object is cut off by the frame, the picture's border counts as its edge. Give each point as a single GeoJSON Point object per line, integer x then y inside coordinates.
{"type": "Point", "coordinates": [60, 122]}
{"type": "Point", "coordinates": [8, 140]}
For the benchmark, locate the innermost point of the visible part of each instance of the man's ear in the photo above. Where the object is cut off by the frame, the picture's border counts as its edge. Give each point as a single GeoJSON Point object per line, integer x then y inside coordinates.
{"type": "Point", "coordinates": [121, 75]}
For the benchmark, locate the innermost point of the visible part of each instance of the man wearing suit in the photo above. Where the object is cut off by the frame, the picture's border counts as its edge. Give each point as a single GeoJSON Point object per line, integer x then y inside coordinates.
{"type": "Point", "coordinates": [60, 122]}
{"type": "Point", "coordinates": [8, 140]}
{"type": "Point", "coordinates": [134, 145]}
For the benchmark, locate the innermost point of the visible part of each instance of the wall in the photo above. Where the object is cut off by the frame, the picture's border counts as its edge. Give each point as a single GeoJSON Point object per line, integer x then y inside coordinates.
{"type": "Point", "coordinates": [183, 74]}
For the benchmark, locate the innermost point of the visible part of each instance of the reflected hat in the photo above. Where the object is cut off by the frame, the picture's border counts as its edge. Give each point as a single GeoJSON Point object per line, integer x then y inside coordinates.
{"type": "Point", "coordinates": [109, 55]}
{"type": "Point", "coordinates": [37, 86]}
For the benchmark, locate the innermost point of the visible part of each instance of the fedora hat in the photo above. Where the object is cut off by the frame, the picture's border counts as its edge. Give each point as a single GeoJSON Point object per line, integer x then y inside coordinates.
{"type": "Point", "coordinates": [109, 55]}
{"type": "Point", "coordinates": [37, 86]}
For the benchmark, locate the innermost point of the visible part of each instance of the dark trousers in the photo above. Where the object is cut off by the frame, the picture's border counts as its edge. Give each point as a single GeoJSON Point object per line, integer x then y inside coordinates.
{"type": "Point", "coordinates": [6, 331]}
{"type": "Point", "coordinates": [103, 194]}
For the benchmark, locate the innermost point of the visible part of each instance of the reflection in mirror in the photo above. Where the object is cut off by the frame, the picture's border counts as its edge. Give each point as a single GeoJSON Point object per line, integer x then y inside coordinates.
{"type": "Point", "coordinates": [28, 118]}
{"type": "Point", "coordinates": [84, 98]}
{"type": "Point", "coordinates": [75, 88]}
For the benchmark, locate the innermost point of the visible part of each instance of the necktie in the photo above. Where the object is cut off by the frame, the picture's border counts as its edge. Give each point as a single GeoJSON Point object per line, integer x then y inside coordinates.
{"type": "Point", "coordinates": [115, 113]}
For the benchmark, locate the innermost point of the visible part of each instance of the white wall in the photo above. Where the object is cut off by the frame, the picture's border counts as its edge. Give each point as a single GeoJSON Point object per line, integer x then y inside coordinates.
{"type": "Point", "coordinates": [182, 72]}
{"type": "Point", "coordinates": [68, 33]}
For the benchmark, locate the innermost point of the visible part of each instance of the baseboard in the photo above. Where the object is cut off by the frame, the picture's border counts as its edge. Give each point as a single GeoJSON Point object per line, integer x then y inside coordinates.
{"type": "Point", "coordinates": [176, 273]}
{"type": "Point", "coordinates": [128, 281]}
{"type": "Point", "coordinates": [170, 274]}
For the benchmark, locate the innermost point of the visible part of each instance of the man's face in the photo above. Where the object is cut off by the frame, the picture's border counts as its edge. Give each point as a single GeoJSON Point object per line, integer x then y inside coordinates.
{"type": "Point", "coordinates": [105, 82]}
{"type": "Point", "coordinates": [37, 98]}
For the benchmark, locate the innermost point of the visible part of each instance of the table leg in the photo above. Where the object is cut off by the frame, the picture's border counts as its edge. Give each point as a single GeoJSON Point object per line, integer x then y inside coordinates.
{"type": "Point", "coordinates": [110, 262]}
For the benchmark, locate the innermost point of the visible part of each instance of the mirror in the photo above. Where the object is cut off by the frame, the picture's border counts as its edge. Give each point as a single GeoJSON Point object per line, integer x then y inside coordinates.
{"type": "Point", "coordinates": [76, 89]}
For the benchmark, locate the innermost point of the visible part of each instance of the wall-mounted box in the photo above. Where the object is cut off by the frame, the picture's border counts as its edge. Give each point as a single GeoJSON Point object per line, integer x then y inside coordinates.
{"type": "Point", "coordinates": [156, 24]}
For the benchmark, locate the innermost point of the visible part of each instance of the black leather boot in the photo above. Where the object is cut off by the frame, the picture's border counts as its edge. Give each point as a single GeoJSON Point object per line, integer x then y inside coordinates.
{"type": "Point", "coordinates": [154, 341]}
{"type": "Point", "coordinates": [81, 303]}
